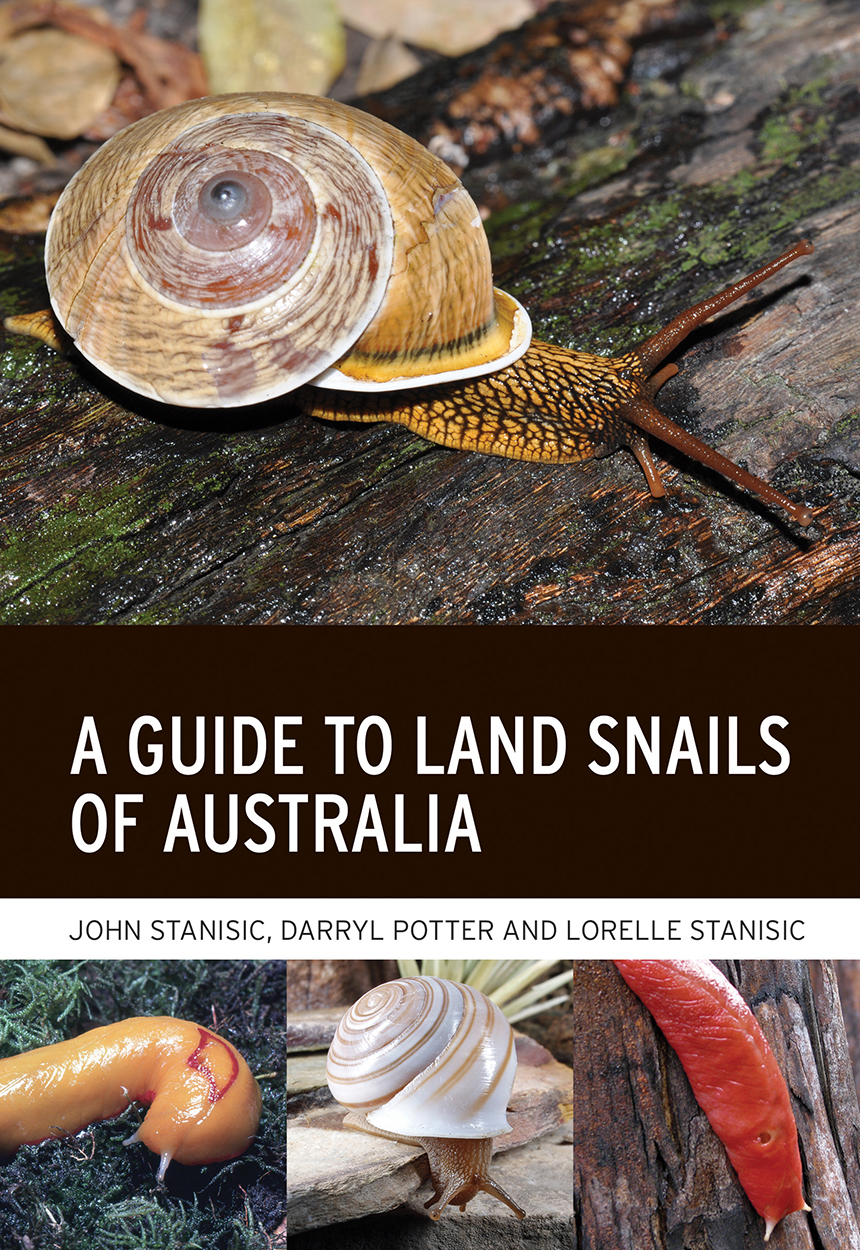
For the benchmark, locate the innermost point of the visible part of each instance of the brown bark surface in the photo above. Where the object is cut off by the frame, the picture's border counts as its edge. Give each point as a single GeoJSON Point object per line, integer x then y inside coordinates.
{"type": "Point", "coordinates": [118, 510]}
{"type": "Point", "coordinates": [333, 983]}
{"type": "Point", "coordinates": [650, 1174]}
{"type": "Point", "coordinates": [528, 84]}
{"type": "Point", "coordinates": [848, 977]}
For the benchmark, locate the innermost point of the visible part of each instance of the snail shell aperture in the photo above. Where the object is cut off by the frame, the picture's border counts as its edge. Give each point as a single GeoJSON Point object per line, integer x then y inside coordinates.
{"type": "Point", "coordinates": [233, 248]}
{"type": "Point", "coordinates": [431, 1063]}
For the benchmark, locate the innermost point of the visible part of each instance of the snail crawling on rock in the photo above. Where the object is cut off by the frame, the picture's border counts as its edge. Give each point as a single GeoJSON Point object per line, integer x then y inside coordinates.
{"type": "Point", "coordinates": [430, 1063]}
{"type": "Point", "coordinates": [241, 247]}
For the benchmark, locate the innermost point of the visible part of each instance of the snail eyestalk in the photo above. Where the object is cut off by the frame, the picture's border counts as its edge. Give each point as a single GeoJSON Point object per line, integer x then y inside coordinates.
{"type": "Point", "coordinates": [459, 1167]}
{"type": "Point", "coordinates": [655, 349]}
{"type": "Point", "coordinates": [459, 1171]}
{"type": "Point", "coordinates": [645, 416]}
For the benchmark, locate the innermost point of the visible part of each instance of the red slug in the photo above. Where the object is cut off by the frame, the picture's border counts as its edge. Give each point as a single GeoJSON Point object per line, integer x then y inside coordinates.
{"type": "Point", "coordinates": [205, 1104]}
{"type": "Point", "coordinates": [733, 1074]}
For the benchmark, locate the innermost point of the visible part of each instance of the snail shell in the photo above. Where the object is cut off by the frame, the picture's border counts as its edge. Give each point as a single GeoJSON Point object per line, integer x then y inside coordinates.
{"type": "Point", "coordinates": [429, 1062]}
{"type": "Point", "coordinates": [233, 248]}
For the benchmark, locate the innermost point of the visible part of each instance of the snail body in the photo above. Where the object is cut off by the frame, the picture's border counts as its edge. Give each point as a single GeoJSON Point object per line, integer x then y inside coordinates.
{"type": "Point", "coordinates": [242, 247]}
{"type": "Point", "coordinates": [429, 1062]}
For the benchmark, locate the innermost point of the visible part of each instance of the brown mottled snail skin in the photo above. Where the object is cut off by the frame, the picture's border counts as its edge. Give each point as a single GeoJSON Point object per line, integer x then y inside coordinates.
{"type": "Point", "coordinates": [241, 247]}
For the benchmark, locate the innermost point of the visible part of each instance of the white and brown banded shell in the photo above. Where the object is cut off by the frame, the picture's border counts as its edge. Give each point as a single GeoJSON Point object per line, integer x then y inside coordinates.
{"type": "Point", "coordinates": [233, 248]}
{"type": "Point", "coordinates": [425, 1057]}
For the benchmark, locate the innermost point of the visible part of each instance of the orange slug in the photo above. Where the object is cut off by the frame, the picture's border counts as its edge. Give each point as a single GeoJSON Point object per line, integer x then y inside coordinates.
{"type": "Point", "coordinates": [205, 1104]}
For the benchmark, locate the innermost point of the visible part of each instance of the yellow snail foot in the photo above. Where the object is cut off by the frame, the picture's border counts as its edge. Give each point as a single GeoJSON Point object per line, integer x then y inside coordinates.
{"type": "Point", "coordinates": [41, 325]}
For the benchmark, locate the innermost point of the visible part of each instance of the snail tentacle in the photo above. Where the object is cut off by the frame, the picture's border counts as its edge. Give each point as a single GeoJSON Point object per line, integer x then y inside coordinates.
{"type": "Point", "coordinates": [649, 418]}
{"type": "Point", "coordinates": [641, 449]}
{"type": "Point", "coordinates": [459, 1167]}
{"type": "Point", "coordinates": [656, 348]}
{"type": "Point", "coordinates": [459, 1171]}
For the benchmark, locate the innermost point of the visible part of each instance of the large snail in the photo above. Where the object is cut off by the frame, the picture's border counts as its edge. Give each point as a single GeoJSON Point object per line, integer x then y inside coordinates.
{"type": "Point", "coordinates": [239, 247]}
{"type": "Point", "coordinates": [430, 1063]}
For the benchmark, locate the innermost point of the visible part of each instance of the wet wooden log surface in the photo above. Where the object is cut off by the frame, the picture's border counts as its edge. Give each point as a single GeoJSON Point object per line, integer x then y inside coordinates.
{"type": "Point", "coordinates": [650, 1174]}
{"type": "Point", "coordinates": [118, 510]}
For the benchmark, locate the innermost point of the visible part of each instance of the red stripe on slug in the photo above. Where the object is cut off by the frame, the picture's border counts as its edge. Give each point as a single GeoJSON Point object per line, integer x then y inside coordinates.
{"type": "Point", "coordinates": [733, 1074]}
{"type": "Point", "coordinates": [201, 1065]}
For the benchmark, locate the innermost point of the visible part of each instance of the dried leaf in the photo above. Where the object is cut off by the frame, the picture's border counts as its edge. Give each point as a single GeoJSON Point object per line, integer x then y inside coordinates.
{"type": "Point", "coordinates": [271, 45]}
{"type": "Point", "coordinates": [385, 62]}
{"type": "Point", "coordinates": [55, 84]}
{"type": "Point", "coordinates": [25, 145]}
{"type": "Point", "coordinates": [168, 72]}
{"type": "Point", "coordinates": [128, 105]}
{"type": "Point", "coordinates": [448, 26]}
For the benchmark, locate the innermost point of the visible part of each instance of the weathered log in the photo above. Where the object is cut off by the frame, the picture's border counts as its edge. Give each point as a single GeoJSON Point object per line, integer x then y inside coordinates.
{"type": "Point", "coordinates": [528, 85]}
{"type": "Point", "coordinates": [650, 1173]}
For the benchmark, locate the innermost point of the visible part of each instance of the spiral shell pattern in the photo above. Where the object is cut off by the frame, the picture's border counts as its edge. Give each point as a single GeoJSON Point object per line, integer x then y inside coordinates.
{"type": "Point", "coordinates": [235, 247]}
{"type": "Point", "coordinates": [425, 1057]}
{"type": "Point", "coordinates": [192, 318]}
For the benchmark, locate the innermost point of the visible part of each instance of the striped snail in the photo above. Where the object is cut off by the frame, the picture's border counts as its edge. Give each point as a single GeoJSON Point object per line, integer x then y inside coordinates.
{"type": "Point", "coordinates": [238, 248]}
{"type": "Point", "coordinates": [430, 1063]}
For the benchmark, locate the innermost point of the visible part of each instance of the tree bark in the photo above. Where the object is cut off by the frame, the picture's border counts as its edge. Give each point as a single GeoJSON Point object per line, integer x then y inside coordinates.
{"type": "Point", "coordinates": [650, 1174]}
{"type": "Point", "coordinates": [848, 977]}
